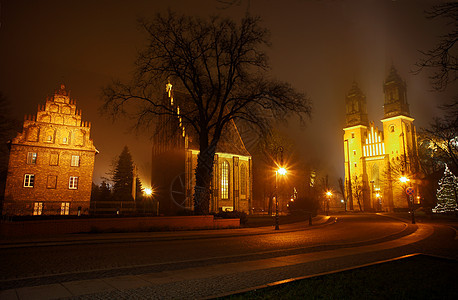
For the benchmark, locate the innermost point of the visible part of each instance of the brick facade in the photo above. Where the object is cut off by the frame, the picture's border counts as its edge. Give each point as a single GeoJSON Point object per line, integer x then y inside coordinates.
{"type": "Point", "coordinates": [51, 161]}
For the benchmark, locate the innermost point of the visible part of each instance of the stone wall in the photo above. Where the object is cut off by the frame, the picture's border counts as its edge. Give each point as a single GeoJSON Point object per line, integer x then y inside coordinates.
{"type": "Point", "coordinates": [84, 225]}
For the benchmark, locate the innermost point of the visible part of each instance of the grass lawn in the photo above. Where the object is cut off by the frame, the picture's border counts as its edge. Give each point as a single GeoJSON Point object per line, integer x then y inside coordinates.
{"type": "Point", "coordinates": [415, 277]}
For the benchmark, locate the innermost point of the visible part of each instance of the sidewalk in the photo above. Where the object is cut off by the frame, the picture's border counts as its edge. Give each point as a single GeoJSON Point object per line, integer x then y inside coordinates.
{"type": "Point", "coordinates": [71, 239]}
{"type": "Point", "coordinates": [151, 285]}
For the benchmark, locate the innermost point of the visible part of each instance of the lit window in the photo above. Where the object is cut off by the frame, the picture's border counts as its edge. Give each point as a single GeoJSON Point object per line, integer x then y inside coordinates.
{"type": "Point", "coordinates": [32, 158]}
{"type": "Point", "coordinates": [37, 208]}
{"type": "Point", "coordinates": [29, 180]}
{"type": "Point", "coordinates": [73, 183]}
{"type": "Point", "coordinates": [64, 140]}
{"type": "Point", "coordinates": [75, 161]}
{"type": "Point", "coordinates": [225, 180]}
{"type": "Point", "coordinates": [65, 208]}
{"type": "Point", "coordinates": [243, 177]}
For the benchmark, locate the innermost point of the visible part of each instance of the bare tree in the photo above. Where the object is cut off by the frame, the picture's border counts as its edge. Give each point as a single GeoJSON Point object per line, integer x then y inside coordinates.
{"type": "Point", "coordinates": [358, 191]}
{"type": "Point", "coordinates": [443, 136]}
{"type": "Point", "coordinates": [222, 66]}
{"type": "Point", "coordinates": [342, 191]}
{"type": "Point", "coordinates": [443, 57]}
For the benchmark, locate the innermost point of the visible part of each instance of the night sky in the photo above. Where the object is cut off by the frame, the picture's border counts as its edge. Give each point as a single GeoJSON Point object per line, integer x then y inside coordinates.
{"type": "Point", "coordinates": [320, 47]}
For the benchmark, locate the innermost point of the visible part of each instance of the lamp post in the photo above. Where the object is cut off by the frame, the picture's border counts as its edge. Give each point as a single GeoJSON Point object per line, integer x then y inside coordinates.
{"type": "Point", "coordinates": [281, 171]}
{"type": "Point", "coordinates": [148, 195]}
{"type": "Point", "coordinates": [404, 180]}
{"type": "Point", "coordinates": [329, 194]}
{"type": "Point", "coordinates": [379, 200]}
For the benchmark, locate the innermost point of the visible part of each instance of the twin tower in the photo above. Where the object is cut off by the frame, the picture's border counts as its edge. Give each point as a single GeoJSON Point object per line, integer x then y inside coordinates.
{"type": "Point", "coordinates": [376, 160]}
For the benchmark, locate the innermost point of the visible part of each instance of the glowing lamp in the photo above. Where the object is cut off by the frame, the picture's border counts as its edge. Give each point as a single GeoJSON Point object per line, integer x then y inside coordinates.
{"type": "Point", "coordinates": [281, 171]}
{"type": "Point", "coordinates": [329, 193]}
{"type": "Point", "coordinates": [404, 179]}
{"type": "Point", "coordinates": [148, 192]}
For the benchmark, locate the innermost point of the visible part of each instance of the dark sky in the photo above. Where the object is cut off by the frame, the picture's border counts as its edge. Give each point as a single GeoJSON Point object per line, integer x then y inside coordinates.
{"type": "Point", "coordinates": [318, 46]}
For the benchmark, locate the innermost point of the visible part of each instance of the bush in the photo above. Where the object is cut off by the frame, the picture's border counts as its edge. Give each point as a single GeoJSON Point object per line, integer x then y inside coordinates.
{"type": "Point", "coordinates": [233, 215]}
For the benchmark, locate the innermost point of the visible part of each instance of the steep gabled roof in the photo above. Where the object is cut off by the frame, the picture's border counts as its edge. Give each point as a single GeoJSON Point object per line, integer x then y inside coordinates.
{"type": "Point", "coordinates": [230, 141]}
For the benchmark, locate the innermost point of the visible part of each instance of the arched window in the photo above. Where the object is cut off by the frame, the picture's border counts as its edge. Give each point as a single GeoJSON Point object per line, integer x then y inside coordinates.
{"type": "Point", "coordinates": [243, 178]}
{"type": "Point", "coordinates": [225, 180]}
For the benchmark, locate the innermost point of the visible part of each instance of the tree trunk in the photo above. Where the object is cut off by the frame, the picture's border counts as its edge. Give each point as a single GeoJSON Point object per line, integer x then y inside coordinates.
{"type": "Point", "coordinates": [204, 171]}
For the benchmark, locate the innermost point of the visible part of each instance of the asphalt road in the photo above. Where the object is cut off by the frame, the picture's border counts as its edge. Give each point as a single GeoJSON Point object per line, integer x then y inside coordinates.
{"type": "Point", "coordinates": [38, 265]}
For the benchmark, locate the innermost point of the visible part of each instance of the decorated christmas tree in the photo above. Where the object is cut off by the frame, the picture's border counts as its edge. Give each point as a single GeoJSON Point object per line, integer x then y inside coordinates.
{"type": "Point", "coordinates": [447, 193]}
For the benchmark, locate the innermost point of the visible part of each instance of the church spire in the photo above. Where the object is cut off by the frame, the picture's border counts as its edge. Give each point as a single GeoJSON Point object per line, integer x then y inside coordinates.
{"type": "Point", "coordinates": [395, 95]}
{"type": "Point", "coordinates": [355, 102]}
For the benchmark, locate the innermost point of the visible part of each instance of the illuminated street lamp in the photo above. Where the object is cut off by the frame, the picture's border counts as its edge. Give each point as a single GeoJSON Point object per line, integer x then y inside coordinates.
{"type": "Point", "coordinates": [329, 194]}
{"type": "Point", "coordinates": [379, 199]}
{"type": "Point", "coordinates": [281, 171]}
{"type": "Point", "coordinates": [148, 194]}
{"type": "Point", "coordinates": [404, 180]}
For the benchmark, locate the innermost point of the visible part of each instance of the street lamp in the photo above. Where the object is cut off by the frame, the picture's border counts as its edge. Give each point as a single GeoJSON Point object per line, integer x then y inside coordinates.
{"type": "Point", "coordinates": [409, 197]}
{"type": "Point", "coordinates": [329, 194]}
{"type": "Point", "coordinates": [281, 171]}
{"type": "Point", "coordinates": [148, 195]}
{"type": "Point", "coordinates": [379, 200]}
{"type": "Point", "coordinates": [404, 179]}
{"type": "Point", "coordinates": [148, 192]}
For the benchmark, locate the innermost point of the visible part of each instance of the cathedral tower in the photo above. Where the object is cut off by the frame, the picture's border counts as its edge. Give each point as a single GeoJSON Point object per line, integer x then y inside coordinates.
{"type": "Point", "coordinates": [395, 96]}
{"type": "Point", "coordinates": [355, 133]}
{"type": "Point", "coordinates": [375, 160]}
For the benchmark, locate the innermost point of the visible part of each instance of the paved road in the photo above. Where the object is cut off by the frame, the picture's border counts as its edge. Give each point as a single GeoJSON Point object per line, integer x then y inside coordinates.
{"type": "Point", "coordinates": [204, 264]}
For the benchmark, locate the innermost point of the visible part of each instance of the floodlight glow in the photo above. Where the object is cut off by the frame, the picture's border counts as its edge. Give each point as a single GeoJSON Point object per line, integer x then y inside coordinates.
{"type": "Point", "coordinates": [281, 171]}
{"type": "Point", "coordinates": [404, 179]}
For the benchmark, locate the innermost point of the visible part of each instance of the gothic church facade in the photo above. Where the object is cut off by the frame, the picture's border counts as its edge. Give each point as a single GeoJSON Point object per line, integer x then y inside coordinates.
{"type": "Point", "coordinates": [376, 159]}
{"type": "Point", "coordinates": [174, 159]}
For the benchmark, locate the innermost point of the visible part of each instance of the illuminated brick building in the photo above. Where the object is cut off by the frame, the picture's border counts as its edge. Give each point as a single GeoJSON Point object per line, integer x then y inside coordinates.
{"type": "Point", "coordinates": [51, 162]}
{"type": "Point", "coordinates": [175, 152]}
{"type": "Point", "coordinates": [375, 160]}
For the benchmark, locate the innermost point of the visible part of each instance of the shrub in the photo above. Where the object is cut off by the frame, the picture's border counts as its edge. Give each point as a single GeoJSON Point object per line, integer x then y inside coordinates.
{"type": "Point", "coordinates": [233, 215]}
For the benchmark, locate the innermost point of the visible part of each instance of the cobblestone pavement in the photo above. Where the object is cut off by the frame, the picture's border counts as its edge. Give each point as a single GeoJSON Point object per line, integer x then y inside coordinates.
{"type": "Point", "coordinates": [210, 276]}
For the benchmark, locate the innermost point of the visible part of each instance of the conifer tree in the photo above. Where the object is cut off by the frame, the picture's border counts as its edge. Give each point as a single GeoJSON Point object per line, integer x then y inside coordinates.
{"type": "Point", "coordinates": [123, 176]}
{"type": "Point", "coordinates": [447, 193]}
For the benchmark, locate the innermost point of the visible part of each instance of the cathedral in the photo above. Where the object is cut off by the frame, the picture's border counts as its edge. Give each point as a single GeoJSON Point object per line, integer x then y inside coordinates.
{"type": "Point", "coordinates": [174, 160]}
{"type": "Point", "coordinates": [375, 160]}
{"type": "Point", "coordinates": [51, 162]}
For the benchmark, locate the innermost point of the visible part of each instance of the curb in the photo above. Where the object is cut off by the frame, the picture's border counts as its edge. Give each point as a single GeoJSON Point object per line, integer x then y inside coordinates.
{"type": "Point", "coordinates": [293, 279]}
